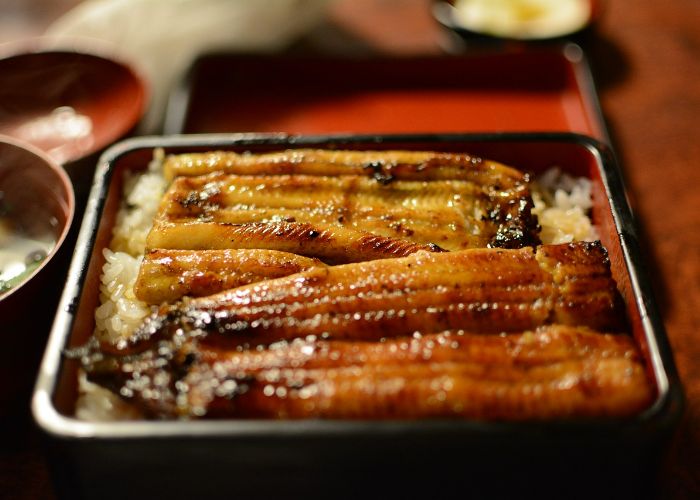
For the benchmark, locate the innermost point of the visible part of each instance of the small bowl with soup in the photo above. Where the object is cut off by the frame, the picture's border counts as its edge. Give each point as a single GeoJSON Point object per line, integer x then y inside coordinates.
{"type": "Point", "coordinates": [36, 210]}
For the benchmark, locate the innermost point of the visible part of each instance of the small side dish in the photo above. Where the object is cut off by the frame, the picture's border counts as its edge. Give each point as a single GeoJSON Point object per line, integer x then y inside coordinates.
{"type": "Point", "coordinates": [357, 284]}
{"type": "Point", "coordinates": [36, 211]}
{"type": "Point", "coordinates": [523, 19]}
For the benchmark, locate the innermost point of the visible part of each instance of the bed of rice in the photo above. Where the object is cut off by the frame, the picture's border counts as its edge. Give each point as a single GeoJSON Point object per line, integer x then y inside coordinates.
{"type": "Point", "coordinates": [561, 205]}
{"type": "Point", "coordinates": [121, 312]}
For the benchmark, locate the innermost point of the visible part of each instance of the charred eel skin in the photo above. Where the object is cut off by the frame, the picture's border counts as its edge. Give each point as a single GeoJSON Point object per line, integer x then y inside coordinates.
{"type": "Point", "coordinates": [601, 387]}
{"type": "Point", "coordinates": [554, 371]}
{"type": "Point", "coordinates": [453, 201]}
{"type": "Point", "coordinates": [489, 333]}
{"type": "Point", "coordinates": [486, 290]}
{"type": "Point", "coordinates": [399, 329]}
{"type": "Point", "coordinates": [334, 206]}
{"type": "Point", "coordinates": [168, 275]}
{"type": "Point", "coordinates": [383, 166]}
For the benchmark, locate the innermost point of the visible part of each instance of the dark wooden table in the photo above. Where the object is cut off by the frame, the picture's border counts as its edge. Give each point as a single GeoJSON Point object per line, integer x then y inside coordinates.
{"type": "Point", "coordinates": [646, 60]}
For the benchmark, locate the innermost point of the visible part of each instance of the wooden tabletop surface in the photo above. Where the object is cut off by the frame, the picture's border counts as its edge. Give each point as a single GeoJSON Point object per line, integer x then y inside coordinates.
{"type": "Point", "coordinates": [646, 61]}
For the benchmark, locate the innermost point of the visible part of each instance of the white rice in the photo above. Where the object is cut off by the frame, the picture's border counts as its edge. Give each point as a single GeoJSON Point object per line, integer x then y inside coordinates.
{"type": "Point", "coordinates": [142, 194]}
{"type": "Point", "coordinates": [561, 205]}
{"type": "Point", "coordinates": [97, 404]}
{"type": "Point", "coordinates": [121, 312]}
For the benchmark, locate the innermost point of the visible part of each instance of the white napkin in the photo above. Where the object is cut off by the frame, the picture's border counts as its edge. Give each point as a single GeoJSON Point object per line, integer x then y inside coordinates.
{"type": "Point", "coordinates": [162, 37]}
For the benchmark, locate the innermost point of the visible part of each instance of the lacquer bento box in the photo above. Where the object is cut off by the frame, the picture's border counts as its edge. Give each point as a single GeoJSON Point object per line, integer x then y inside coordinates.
{"type": "Point", "coordinates": [346, 445]}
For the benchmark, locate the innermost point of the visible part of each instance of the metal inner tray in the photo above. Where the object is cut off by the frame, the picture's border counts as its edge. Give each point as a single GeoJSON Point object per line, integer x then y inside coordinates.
{"type": "Point", "coordinates": [306, 455]}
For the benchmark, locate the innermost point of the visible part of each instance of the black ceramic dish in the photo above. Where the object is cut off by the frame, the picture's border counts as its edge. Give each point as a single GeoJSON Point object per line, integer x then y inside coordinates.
{"type": "Point", "coordinates": [330, 459]}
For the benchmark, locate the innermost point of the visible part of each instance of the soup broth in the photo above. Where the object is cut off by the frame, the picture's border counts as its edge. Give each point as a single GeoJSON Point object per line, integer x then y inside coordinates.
{"type": "Point", "coordinates": [23, 246]}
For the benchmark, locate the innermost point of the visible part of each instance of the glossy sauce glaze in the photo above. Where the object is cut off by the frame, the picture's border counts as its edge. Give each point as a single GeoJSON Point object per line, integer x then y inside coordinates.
{"type": "Point", "coordinates": [323, 311]}
{"type": "Point", "coordinates": [481, 333]}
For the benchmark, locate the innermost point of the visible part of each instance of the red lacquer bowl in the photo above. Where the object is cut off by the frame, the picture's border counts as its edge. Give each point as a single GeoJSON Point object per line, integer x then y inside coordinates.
{"type": "Point", "coordinates": [67, 102]}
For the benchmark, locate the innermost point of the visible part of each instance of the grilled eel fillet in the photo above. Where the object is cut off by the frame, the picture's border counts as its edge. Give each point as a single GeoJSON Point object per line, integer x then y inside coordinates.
{"type": "Point", "coordinates": [485, 290]}
{"type": "Point", "coordinates": [167, 275]}
{"type": "Point", "coordinates": [554, 371]}
{"type": "Point", "coordinates": [343, 206]}
{"type": "Point", "coordinates": [192, 359]}
{"type": "Point", "coordinates": [384, 166]}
